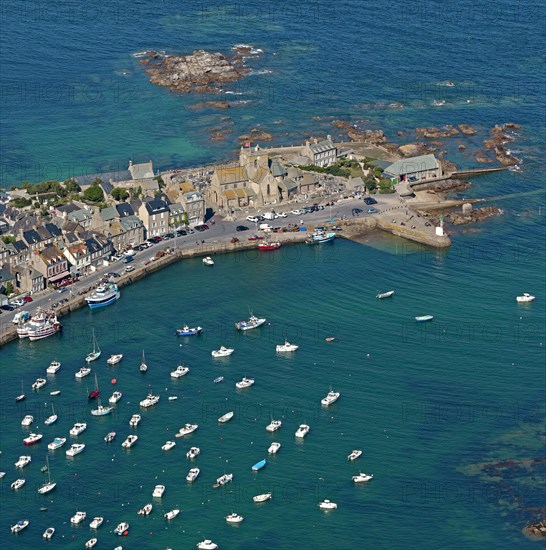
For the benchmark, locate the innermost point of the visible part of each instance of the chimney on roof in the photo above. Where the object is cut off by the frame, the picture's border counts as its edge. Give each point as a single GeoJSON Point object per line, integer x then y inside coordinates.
{"type": "Point", "coordinates": [329, 137]}
{"type": "Point", "coordinates": [315, 140]}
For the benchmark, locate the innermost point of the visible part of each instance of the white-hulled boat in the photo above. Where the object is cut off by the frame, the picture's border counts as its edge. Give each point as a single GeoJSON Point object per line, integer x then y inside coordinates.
{"type": "Point", "coordinates": [21, 396]}
{"type": "Point", "coordinates": [146, 510]}
{"type": "Point", "coordinates": [244, 383]}
{"type": "Point", "coordinates": [361, 478]}
{"type": "Point", "coordinates": [83, 372]}
{"type": "Point", "coordinates": [56, 443]}
{"type": "Point", "coordinates": [302, 430]}
{"type": "Point", "coordinates": [115, 397]}
{"type": "Point", "coordinates": [150, 400]}
{"type": "Point", "coordinates": [189, 331]}
{"type": "Point", "coordinates": [32, 439]}
{"type": "Point", "coordinates": [122, 529]}
{"type": "Point", "coordinates": [39, 383]}
{"type": "Point", "coordinates": [192, 475]}
{"type": "Point", "coordinates": [168, 446]}
{"type": "Point", "coordinates": [49, 327]}
{"type": "Point", "coordinates": [55, 392]}
{"type": "Point", "coordinates": [253, 322]}
{"type": "Point", "coordinates": [130, 441]}
{"type": "Point", "coordinates": [54, 366]}
{"type": "Point", "coordinates": [382, 295]}
{"type": "Point", "coordinates": [222, 352]}
{"type": "Point", "coordinates": [263, 497]}
{"type": "Point", "coordinates": [173, 397]}
{"type": "Point", "coordinates": [143, 365]}
{"type": "Point", "coordinates": [193, 452]}
{"type": "Point", "coordinates": [78, 517]}
{"type": "Point", "coordinates": [50, 485]}
{"type": "Point", "coordinates": [19, 526]}
{"type": "Point", "coordinates": [187, 429]}
{"type": "Point", "coordinates": [287, 347]}
{"type": "Point", "coordinates": [103, 295]}
{"type": "Point", "coordinates": [101, 410]}
{"type": "Point", "coordinates": [207, 260]}
{"type": "Point", "coordinates": [110, 436]}
{"type": "Point", "coordinates": [274, 425]}
{"type": "Point", "coordinates": [218, 379]}
{"type": "Point", "coordinates": [27, 420]}
{"type": "Point", "coordinates": [331, 398]}
{"type": "Point", "coordinates": [234, 518]}
{"type": "Point", "coordinates": [97, 522]}
{"type": "Point", "coordinates": [355, 454]}
{"type": "Point", "coordinates": [171, 514]}
{"type": "Point", "coordinates": [114, 359]}
{"type": "Point", "coordinates": [424, 318]}
{"type": "Point", "coordinates": [274, 448]}
{"type": "Point", "coordinates": [94, 354]}
{"type": "Point", "coordinates": [222, 480]}
{"type": "Point", "coordinates": [91, 543]}
{"type": "Point", "coordinates": [158, 491]}
{"type": "Point", "coordinates": [17, 484]}
{"type": "Point", "coordinates": [78, 428]}
{"type": "Point", "coordinates": [226, 417]}
{"type": "Point", "coordinates": [48, 533]}
{"type": "Point", "coordinates": [327, 505]}
{"type": "Point", "coordinates": [23, 461]}
{"type": "Point", "coordinates": [135, 420]}
{"type": "Point", "coordinates": [181, 370]}
{"type": "Point", "coordinates": [207, 544]}
{"type": "Point", "coordinates": [75, 449]}
{"type": "Point", "coordinates": [525, 298]}
{"type": "Point", "coordinates": [52, 418]}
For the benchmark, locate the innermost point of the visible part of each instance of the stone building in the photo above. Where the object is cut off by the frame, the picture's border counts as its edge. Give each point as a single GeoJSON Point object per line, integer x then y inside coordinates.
{"type": "Point", "coordinates": [414, 169]}
{"type": "Point", "coordinates": [154, 214]}
{"type": "Point", "coordinates": [320, 153]}
{"type": "Point", "coordinates": [51, 263]}
{"type": "Point", "coordinates": [194, 204]}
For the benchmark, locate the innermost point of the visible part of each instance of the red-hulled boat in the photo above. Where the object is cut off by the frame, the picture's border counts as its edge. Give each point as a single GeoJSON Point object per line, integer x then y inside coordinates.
{"type": "Point", "coordinates": [32, 438]}
{"type": "Point", "coordinates": [269, 246]}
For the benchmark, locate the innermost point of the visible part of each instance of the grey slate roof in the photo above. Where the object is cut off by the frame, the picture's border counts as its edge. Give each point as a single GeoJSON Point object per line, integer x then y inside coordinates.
{"type": "Point", "coordinates": [412, 165]}
{"type": "Point", "coordinates": [108, 214]}
{"type": "Point", "coordinates": [124, 209]}
{"type": "Point", "coordinates": [322, 146]}
{"type": "Point", "coordinates": [130, 222]}
{"type": "Point", "coordinates": [53, 229]}
{"type": "Point", "coordinates": [120, 175]}
{"type": "Point", "coordinates": [107, 187]}
{"type": "Point", "coordinates": [32, 236]}
{"type": "Point", "coordinates": [156, 207]}
{"type": "Point", "coordinates": [67, 208]}
{"type": "Point", "coordinates": [142, 171]}
{"type": "Point", "coordinates": [79, 215]}
{"type": "Point", "coordinates": [277, 169]}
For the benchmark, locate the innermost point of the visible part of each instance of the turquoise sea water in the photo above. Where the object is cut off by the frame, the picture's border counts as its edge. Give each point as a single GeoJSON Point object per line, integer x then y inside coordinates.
{"type": "Point", "coordinates": [429, 403]}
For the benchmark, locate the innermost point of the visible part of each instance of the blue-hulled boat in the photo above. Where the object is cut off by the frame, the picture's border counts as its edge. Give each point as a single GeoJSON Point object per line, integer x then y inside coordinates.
{"type": "Point", "coordinates": [187, 331]}
{"type": "Point", "coordinates": [104, 295]}
{"type": "Point", "coordinates": [259, 465]}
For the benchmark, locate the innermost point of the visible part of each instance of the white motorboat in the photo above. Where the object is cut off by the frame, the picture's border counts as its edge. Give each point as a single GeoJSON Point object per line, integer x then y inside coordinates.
{"type": "Point", "coordinates": [173, 397]}
{"type": "Point", "coordinates": [171, 514]}
{"type": "Point", "coordinates": [83, 372]}
{"type": "Point", "coordinates": [110, 436]}
{"type": "Point", "coordinates": [207, 260]}
{"type": "Point", "coordinates": [274, 448]}
{"type": "Point", "coordinates": [20, 525]}
{"type": "Point", "coordinates": [274, 425]}
{"type": "Point", "coordinates": [424, 318]}
{"type": "Point", "coordinates": [115, 397]}
{"type": "Point", "coordinates": [52, 418]}
{"type": "Point", "coordinates": [222, 352]}
{"type": "Point", "coordinates": [361, 477]}
{"type": "Point", "coordinates": [244, 383]}
{"type": "Point", "coordinates": [234, 518]}
{"type": "Point", "coordinates": [28, 420]}
{"type": "Point", "coordinates": [181, 370]}
{"type": "Point", "coordinates": [383, 295]}
{"type": "Point", "coordinates": [91, 543]}
{"type": "Point", "coordinates": [21, 396]}
{"type": "Point", "coordinates": [50, 485]}
{"type": "Point", "coordinates": [114, 359]}
{"type": "Point", "coordinates": [146, 510]}
{"type": "Point", "coordinates": [226, 417]}
{"type": "Point", "coordinates": [287, 347]}
{"type": "Point", "coordinates": [355, 454]}
{"type": "Point", "coordinates": [150, 400]}
{"type": "Point", "coordinates": [193, 452]}
{"type": "Point", "coordinates": [192, 474]}
{"type": "Point", "coordinates": [263, 497]}
{"type": "Point", "coordinates": [95, 353]}
{"type": "Point", "coordinates": [218, 379]}
{"type": "Point", "coordinates": [48, 533]}
{"type": "Point", "coordinates": [17, 484]}
{"type": "Point", "coordinates": [135, 420]}
{"type": "Point", "coordinates": [78, 428]}
{"type": "Point", "coordinates": [122, 529]}
{"type": "Point", "coordinates": [56, 443]}
{"type": "Point", "coordinates": [39, 383]}
{"type": "Point", "coordinates": [78, 517]}
{"type": "Point", "coordinates": [97, 522]}
{"type": "Point", "coordinates": [75, 449]}
{"type": "Point", "coordinates": [526, 297]}
{"type": "Point", "coordinates": [55, 392]}
{"type": "Point", "coordinates": [187, 429]}
{"type": "Point", "coordinates": [143, 365]}
{"type": "Point", "coordinates": [302, 430]}
{"type": "Point", "coordinates": [207, 545]}
{"type": "Point", "coordinates": [168, 446]}
{"type": "Point", "coordinates": [54, 366]}
{"type": "Point", "coordinates": [158, 491]}
{"type": "Point", "coordinates": [327, 505]}
{"type": "Point", "coordinates": [32, 439]}
{"type": "Point", "coordinates": [253, 322]}
{"type": "Point", "coordinates": [130, 441]}
{"type": "Point", "coordinates": [331, 398]}
{"type": "Point", "coordinates": [226, 478]}
{"type": "Point", "coordinates": [23, 461]}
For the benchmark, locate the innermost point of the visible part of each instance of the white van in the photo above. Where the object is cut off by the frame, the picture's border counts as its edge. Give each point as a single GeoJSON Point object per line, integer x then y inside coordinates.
{"type": "Point", "coordinates": [265, 227]}
{"type": "Point", "coordinates": [270, 215]}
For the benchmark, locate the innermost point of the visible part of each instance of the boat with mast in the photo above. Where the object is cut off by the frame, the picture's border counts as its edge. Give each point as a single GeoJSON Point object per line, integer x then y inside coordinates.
{"type": "Point", "coordinates": [50, 485]}
{"type": "Point", "coordinates": [95, 354]}
{"type": "Point", "coordinates": [22, 395]}
{"type": "Point", "coordinates": [143, 366]}
{"type": "Point", "coordinates": [95, 393]}
{"type": "Point", "coordinates": [253, 322]}
{"type": "Point", "coordinates": [101, 410]}
{"type": "Point", "coordinates": [51, 419]}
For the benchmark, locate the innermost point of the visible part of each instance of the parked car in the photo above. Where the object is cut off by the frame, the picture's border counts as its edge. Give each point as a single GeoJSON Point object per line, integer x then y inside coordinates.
{"type": "Point", "coordinates": [297, 212]}
{"type": "Point", "coordinates": [114, 275]}
{"type": "Point", "coordinates": [168, 236]}
{"type": "Point", "coordinates": [18, 302]}
{"type": "Point", "coordinates": [180, 233]}
{"type": "Point", "coordinates": [357, 211]}
{"type": "Point", "coordinates": [202, 227]}
{"type": "Point", "coordinates": [129, 268]}
{"type": "Point", "coordinates": [62, 289]}
{"type": "Point", "coordinates": [190, 231]}
{"type": "Point", "coordinates": [7, 307]}
{"type": "Point", "coordinates": [369, 200]}
{"type": "Point", "coordinates": [27, 299]}
{"type": "Point", "coordinates": [282, 215]}
{"type": "Point", "coordinates": [253, 219]}
{"type": "Point", "coordinates": [241, 228]}
{"type": "Point", "coordinates": [373, 210]}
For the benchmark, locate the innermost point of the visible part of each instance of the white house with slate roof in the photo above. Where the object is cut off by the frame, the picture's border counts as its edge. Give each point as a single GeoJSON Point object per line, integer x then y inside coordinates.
{"type": "Point", "coordinates": [320, 153]}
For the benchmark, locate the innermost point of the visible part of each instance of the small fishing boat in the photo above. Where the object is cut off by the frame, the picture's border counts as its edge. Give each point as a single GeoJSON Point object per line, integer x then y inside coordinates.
{"type": "Point", "coordinates": [327, 505]}
{"type": "Point", "coordinates": [91, 543]}
{"type": "Point", "coordinates": [218, 379]}
{"type": "Point", "coordinates": [222, 480]}
{"type": "Point", "coordinates": [382, 295]}
{"type": "Point", "coordinates": [32, 439]}
{"type": "Point", "coordinates": [192, 475]}
{"type": "Point", "coordinates": [94, 354]}
{"type": "Point", "coordinates": [150, 400]}
{"type": "Point", "coordinates": [226, 417]}
{"type": "Point", "coordinates": [266, 245]}
{"type": "Point", "coordinates": [158, 491]}
{"type": "Point", "coordinates": [52, 418]}
{"type": "Point", "coordinates": [525, 298]}
{"type": "Point", "coordinates": [95, 393]}
{"type": "Point", "coordinates": [17, 484]}
{"type": "Point", "coordinates": [146, 510]}
{"type": "Point", "coordinates": [168, 446]}
{"type": "Point", "coordinates": [424, 318]}
{"type": "Point", "coordinates": [330, 398]}
{"type": "Point", "coordinates": [50, 485]}
{"type": "Point", "coordinates": [83, 372]}
{"type": "Point", "coordinates": [75, 449]}
{"type": "Point", "coordinates": [354, 454]}
{"type": "Point", "coordinates": [361, 478]}
{"type": "Point", "coordinates": [27, 420]}
{"type": "Point", "coordinates": [56, 443]}
{"type": "Point", "coordinates": [234, 518]}
{"type": "Point", "coordinates": [23, 461]}
{"type": "Point", "coordinates": [263, 497]}
{"type": "Point", "coordinates": [320, 237]}
{"type": "Point", "coordinates": [39, 383]}
{"type": "Point", "coordinates": [189, 331]}
{"type": "Point", "coordinates": [21, 396]}
{"type": "Point", "coordinates": [253, 322]}
{"type": "Point", "coordinates": [287, 347]}
{"type": "Point", "coordinates": [54, 366]}
{"type": "Point", "coordinates": [274, 448]}
{"type": "Point", "coordinates": [115, 397]}
{"type": "Point", "coordinates": [114, 359]}
{"type": "Point", "coordinates": [143, 366]}
{"type": "Point", "coordinates": [130, 441]}
{"type": "Point", "coordinates": [207, 260]}
{"type": "Point", "coordinates": [78, 517]}
{"type": "Point", "coordinates": [222, 352]}
{"type": "Point", "coordinates": [78, 428]}
{"type": "Point", "coordinates": [329, 339]}
{"type": "Point", "coordinates": [274, 425]}
{"type": "Point", "coordinates": [180, 371]}
{"type": "Point", "coordinates": [259, 465]}
{"type": "Point", "coordinates": [187, 429]}
{"type": "Point", "coordinates": [135, 420]}
{"type": "Point", "coordinates": [122, 529]}
{"type": "Point", "coordinates": [20, 525]}
{"type": "Point", "coordinates": [193, 452]}
{"type": "Point", "coordinates": [302, 430]}
{"type": "Point", "coordinates": [48, 533]}
{"type": "Point", "coordinates": [171, 514]}
{"type": "Point", "coordinates": [97, 522]}
{"type": "Point", "coordinates": [110, 436]}
{"type": "Point", "coordinates": [207, 544]}
{"type": "Point", "coordinates": [244, 383]}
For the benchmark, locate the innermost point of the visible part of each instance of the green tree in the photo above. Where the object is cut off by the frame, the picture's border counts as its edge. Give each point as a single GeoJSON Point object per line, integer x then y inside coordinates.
{"type": "Point", "coordinates": [370, 184]}
{"type": "Point", "coordinates": [9, 239]}
{"type": "Point", "coordinates": [185, 219]}
{"type": "Point", "coordinates": [120, 194]}
{"type": "Point", "coordinates": [9, 288]}
{"type": "Point", "coordinates": [72, 186]}
{"type": "Point", "coordinates": [20, 202]}
{"type": "Point", "coordinates": [93, 193]}
{"type": "Point", "coordinates": [385, 186]}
